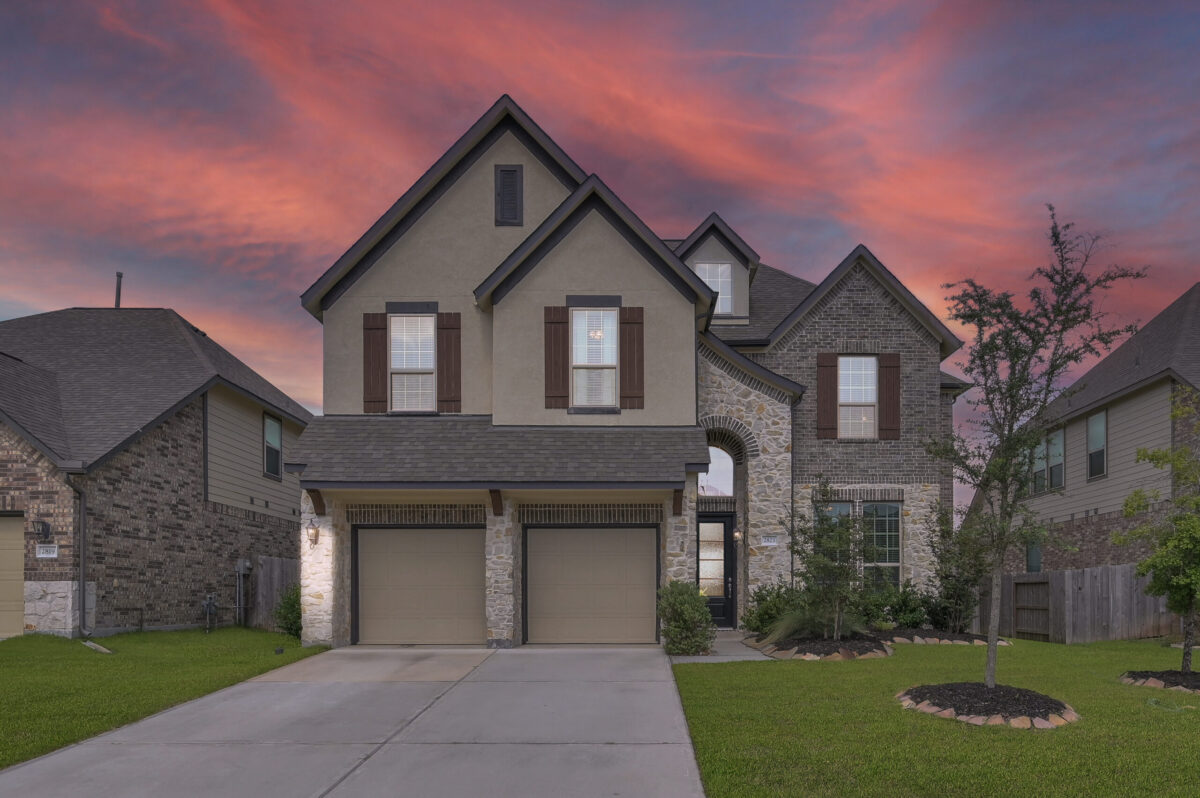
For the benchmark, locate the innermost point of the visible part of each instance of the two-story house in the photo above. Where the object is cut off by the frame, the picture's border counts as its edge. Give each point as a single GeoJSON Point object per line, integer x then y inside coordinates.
{"type": "Point", "coordinates": [140, 461]}
{"type": "Point", "coordinates": [1088, 465]}
{"type": "Point", "coordinates": [525, 386]}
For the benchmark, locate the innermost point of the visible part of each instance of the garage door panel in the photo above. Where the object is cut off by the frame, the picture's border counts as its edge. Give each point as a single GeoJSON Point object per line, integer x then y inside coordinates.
{"type": "Point", "coordinates": [12, 575]}
{"type": "Point", "coordinates": [591, 585]}
{"type": "Point", "coordinates": [421, 586]}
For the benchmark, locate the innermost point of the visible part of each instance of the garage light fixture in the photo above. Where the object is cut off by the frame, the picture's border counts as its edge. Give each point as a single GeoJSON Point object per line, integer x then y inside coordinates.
{"type": "Point", "coordinates": [42, 530]}
{"type": "Point", "coordinates": [314, 533]}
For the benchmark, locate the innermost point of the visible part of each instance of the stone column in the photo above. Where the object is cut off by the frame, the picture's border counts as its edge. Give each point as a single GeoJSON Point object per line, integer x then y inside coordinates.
{"type": "Point", "coordinates": [679, 537]}
{"type": "Point", "coordinates": [500, 573]}
{"type": "Point", "coordinates": [317, 569]}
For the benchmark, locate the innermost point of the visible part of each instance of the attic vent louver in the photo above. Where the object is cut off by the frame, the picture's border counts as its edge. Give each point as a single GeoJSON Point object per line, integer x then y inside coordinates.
{"type": "Point", "coordinates": [509, 195]}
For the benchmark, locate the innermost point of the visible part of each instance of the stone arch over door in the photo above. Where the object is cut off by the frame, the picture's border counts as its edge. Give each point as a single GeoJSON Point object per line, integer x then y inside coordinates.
{"type": "Point", "coordinates": [732, 435]}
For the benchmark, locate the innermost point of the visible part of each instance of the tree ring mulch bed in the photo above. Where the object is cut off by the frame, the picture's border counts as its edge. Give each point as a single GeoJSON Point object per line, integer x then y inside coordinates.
{"type": "Point", "coordinates": [1178, 681]}
{"type": "Point", "coordinates": [978, 705]}
{"type": "Point", "coordinates": [935, 637]}
{"type": "Point", "coordinates": [815, 648]}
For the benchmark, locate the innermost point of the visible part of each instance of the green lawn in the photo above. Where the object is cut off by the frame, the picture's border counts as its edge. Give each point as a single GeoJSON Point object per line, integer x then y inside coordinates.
{"type": "Point", "coordinates": [55, 691]}
{"type": "Point", "coordinates": [834, 728]}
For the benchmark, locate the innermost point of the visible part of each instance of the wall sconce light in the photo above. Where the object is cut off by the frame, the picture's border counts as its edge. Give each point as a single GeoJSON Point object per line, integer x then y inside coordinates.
{"type": "Point", "coordinates": [314, 533]}
{"type": "Point", "coordinates": [737, 534]}
{"type": "Point", "coordinates": [42, 530]}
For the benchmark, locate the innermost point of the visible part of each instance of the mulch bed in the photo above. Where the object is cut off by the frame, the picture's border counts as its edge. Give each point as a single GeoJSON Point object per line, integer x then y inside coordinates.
{"type": "Point", "coordinates": [978, 705]}
{"type": "Point", "coordinates": [811, 648]}
{"type": "Point", "coordinates": [1169, 680]}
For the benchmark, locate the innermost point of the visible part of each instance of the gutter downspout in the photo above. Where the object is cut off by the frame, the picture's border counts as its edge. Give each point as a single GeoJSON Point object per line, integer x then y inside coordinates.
{"type": "Point", "coordinates": [81, 544]}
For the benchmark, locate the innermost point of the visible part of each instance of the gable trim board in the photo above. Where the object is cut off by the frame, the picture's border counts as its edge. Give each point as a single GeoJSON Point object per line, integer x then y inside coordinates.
{"type": "Point", "coordinates": [505, 116]}
{"type": "Point", "coordinates": [950, 343]}
{"type": "Point", "coordinates": [592, 195]}
{"type": "Point", "coordinates": [789, 390]}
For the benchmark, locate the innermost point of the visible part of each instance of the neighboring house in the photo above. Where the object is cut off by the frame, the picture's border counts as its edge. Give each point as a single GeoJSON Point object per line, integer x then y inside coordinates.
{"type": "Point", "coordinates": [524, 386]}
{"type": "Point", "coordinates": [137, 457]}
{"type": "Point", "coordinates": [1088, 464]}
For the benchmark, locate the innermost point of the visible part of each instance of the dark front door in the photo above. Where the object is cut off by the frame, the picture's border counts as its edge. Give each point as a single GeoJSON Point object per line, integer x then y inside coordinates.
{"type": "Point", "coordinates": [718, 567]}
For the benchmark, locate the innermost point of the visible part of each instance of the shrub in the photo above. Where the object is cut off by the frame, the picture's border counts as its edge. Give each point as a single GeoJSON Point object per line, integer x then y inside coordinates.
{"type": "Point", "coordinates": [287, 611]}
{"type": "Point", "coordinates": [767, 603]}
{"type": "Point", "coordinates": [906, 607]}
{"type": "Point", "coordinates": [872, 607]}
{"type": "Point", "coordinates": [817, 619]}
{"type": "Point", "coordinates": [687, 624]}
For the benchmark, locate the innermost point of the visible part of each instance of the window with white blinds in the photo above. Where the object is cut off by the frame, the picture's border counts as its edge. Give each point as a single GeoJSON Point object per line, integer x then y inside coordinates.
{"type": "Point", "coordinates": [718, 277]}
{"type": "Point", "coordinates": [411, 363]}
{"type": "Point", "coordinates": [593, 357]}
{"type": "Point", "coordinates": [858, 396]}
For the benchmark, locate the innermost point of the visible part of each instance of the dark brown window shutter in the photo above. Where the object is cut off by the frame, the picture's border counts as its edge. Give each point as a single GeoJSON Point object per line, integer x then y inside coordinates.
{"type": "Point", "coordinates": [889, 397]}
{"type": "Point", "coordinates": [827, 395]}
{"type": "Point", "coordinates": [632, 360]}
{"type": "Point", "coordinates": [449, 362]}
{"type": "Point", "coordinates": [375, 363]}
{"type": "Point", "coordinates": [558, 357]}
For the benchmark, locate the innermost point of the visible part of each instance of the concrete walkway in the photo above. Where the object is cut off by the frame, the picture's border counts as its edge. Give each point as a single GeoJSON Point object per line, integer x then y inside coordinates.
{"type": "Point", "coordinates": [374, 721]}
{"type": "Point", "coordinates": [728, 647]}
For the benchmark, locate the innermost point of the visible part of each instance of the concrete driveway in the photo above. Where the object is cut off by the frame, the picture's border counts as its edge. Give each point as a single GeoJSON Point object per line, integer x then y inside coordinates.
{"type": "Point", "coordinates": [378, 721]}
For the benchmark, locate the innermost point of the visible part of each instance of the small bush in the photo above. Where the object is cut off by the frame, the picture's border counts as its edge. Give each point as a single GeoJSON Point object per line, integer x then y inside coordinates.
{"type": "Point", "coordinates": [906, 607]}
{"type": "Point", "coordinates": [872, 607]}
{"type": "Point", "coordinates": [816, 621]}
{"type": "Point", "coordinates": [287, 611]}
{"type": "Point", "coordinates": [687, 624]}
{"type": "Point", "coordinates": [767, 604]}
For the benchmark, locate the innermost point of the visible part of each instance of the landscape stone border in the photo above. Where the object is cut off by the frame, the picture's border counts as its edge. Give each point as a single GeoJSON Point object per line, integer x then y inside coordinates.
{"type": "Point", "coordinates": [932, 640]}
{"type": "Point", "coordinates": [1068, 715]}
{"type": "Point", "coordinates": [1152, 682]}
{"type": "Point", "coordinates": [775, 652]}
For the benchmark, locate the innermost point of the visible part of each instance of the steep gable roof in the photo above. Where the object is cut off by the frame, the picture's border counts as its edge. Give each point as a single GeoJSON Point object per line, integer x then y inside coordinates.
{"type": "Point", "coordinates": [1167, 346]}
{"type": "Point", "coordinates": [592, 195]}
{"type": "Point", "coordinates": [714, 225]}
{"type": "Point", "coordinates": [112, 374]}
{"type": "Point", "coordinates": [504, 116]}
{"type": "Point", "coordinates": [773, 295]}
{"type": "Point", "coordinates": [860, 255]}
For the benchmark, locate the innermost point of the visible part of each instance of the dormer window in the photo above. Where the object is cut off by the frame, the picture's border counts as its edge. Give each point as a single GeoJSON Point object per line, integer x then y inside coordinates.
{"type": "Point", "coordinates": [509, 195]}
{"type": "Point", "coordinates": [719, 277]}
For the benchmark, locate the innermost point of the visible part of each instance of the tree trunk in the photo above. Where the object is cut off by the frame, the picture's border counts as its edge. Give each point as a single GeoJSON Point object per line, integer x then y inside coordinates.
{"type": "Point", "coordinates": [1189, 635]}
{"type": "Point", "coordinates": [989, 677]}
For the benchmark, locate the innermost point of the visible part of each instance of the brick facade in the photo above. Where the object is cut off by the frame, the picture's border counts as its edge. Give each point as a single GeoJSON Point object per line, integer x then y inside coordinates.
{"type": "Point", "coordinates": [155, 547]}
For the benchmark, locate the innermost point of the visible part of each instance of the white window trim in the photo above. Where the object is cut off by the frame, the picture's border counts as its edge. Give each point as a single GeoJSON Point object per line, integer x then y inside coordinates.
{"type": "Point", "coordinates": [856, 512]}
{"type": "Point", "coordinates": [614, 367]}
{"type": "Point", "coordinates": [720, 296]}
{"type": "Point", "coordinates": [874, 405]}
{"type": "Point", "coordinates": [432, 371]}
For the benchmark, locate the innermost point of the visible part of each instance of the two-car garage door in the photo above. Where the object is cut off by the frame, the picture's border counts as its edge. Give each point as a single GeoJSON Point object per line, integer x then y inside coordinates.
{"type": "Point", "coordinates": [428, 586]}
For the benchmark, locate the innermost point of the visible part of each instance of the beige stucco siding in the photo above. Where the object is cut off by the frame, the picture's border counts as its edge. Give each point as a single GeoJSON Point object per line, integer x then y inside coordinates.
{"type": "Point", "coordinates": [442, 258]}
{"type": "Point", "coordinates": [1142, 419]}
{"type": "Point", "coordinates": [594, 258]}
{"type": "Point", "coordinates": [713, 251]}
{"type": "Point", "coordinates": [235, 457]}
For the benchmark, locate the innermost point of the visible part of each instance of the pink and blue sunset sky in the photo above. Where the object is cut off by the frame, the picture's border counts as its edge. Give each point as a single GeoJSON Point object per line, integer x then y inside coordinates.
{"type": "Point", "coordinates": [222, 154]}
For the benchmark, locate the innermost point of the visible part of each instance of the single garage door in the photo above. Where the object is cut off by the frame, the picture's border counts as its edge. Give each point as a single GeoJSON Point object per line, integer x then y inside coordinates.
{"type": "Point", "coordinates": [12, 575]}
{"type": "Point", "coordinates": [591, 585]}
{"type": "Point", "coordinates": [421, 586]}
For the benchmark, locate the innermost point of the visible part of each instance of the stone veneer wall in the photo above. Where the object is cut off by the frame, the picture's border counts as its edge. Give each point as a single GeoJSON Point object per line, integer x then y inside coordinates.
{"type": "Point", "coordinates": [326, 565]}
{"type": "Point", "coordinates": [155, 547]}
{"type": "Point", "coordinates": [734, 403]}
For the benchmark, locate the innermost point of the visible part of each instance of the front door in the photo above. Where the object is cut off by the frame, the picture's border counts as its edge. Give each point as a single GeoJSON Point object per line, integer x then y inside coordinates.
{"type": "Point", "coordinates": [718, 567]}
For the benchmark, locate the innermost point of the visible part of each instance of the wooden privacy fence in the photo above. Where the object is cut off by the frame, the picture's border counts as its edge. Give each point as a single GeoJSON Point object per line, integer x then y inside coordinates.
{"type": "Point", "coordinates": [1079, 606]}
{"type": "Point", "coordinates": [270, 577]}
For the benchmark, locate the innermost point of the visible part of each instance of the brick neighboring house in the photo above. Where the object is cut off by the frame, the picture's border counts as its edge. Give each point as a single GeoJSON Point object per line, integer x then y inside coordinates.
{"type": "Point", "coordinates": [136, 456]}
{"type": "Point", "coordinates": [1088, 465]}
{"type": "Point", "coordinates": [537, 410]}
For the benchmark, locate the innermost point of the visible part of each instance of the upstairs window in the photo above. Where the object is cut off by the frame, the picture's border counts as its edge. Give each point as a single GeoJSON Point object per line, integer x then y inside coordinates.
{"type": "Point", "coordinates": [718, 277]}
{"type": "Point", "coordinates": [1097, 444]}
{"type": "Point", "coordinates": [1048, 463]}
{"type": "Point", "coordinates": [593, 357]}
{"type": "Point", "coordinates": [509, 195]}
{"type": "Point", "coordinates": [411, 362]}
{"type": "Point", "coordinates": [858, 396]}
{"type": "Point", "coordinates": [272, 446]}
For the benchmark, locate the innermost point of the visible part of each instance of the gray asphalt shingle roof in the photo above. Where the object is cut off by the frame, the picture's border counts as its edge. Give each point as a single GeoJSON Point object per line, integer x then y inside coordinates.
{"type": "Point", "coordinates": [1170, 342]}
{"type": "Point", "coordinates": [113, 371]}
{"type": "Point", "coordinates": [773, 295]}
{"type": "Point", "coordinates": [391, 450]}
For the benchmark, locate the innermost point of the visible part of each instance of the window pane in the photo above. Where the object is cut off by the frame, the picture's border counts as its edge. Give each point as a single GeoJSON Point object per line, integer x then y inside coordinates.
{"type": "Point", "coordinates": [719, 479]}
{"type": "Point", "coordinates": [412, 392]}
{"type": "Point", "coordinates": [271, 466]}
{"type": "Point", "coordinates": [712, 551]}
{"type": "Point", "coordinates": [712, 587]}
{"type": "Point", "coordinates": [1039, 458]}
{"type": "Point", "coordinates": [596, 387]}
{"type": "Point", "coordinates": [834, 510]}
{"type": "Point", "coordinates": [883, 531]}
{"type": "Point", "coordinates": [718, 277]}
{"type": "Point", "coordinates": [857, 380]}
{"type": "Point", "coordinates": [594, 337]}
{"type": "Point", "coordinates": [712, 532]}
{"type": "Point", "coordinates": [411, 342]}
{"type": "Point", "coordinates": [1096, 464]}
{"type": "Point", "coordinates": [1054, 448]}
{"type": "Point", "coordinates": [1055, 475]}
{"type": "Point", "coordinates": [1096, 431]}
{"type": "Point", "coordinates": [273, 432]}
{"type": "Point", "coordinates": [856, 421]}
{"type": "Point", "coordinates": [882, 576]}
{"type": "Point", "coordinates": [712, 569]}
